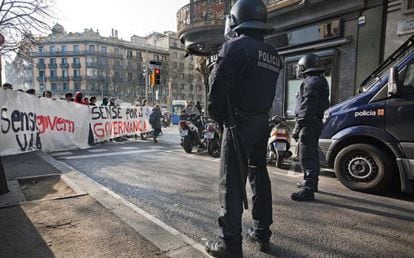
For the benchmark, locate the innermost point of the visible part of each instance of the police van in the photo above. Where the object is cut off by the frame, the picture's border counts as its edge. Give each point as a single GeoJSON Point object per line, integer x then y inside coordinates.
{"type": "Point", "coordinates": [369, 138]}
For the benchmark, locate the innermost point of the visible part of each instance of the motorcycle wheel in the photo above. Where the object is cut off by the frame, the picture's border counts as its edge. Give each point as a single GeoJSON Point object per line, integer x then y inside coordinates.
{"type": "Point", "coordinates": [187, 144]}
{"type": "Point", "coordinates": [214, 148]}
{"type": "Point", "coordinates": [279, 161]}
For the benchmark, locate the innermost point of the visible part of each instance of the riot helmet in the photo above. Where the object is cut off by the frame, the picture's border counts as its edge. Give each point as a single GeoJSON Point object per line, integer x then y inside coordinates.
{"type": "Point", "coordinates": [308, 63]}
{"type": "Point", "coordinates": [247, 14]}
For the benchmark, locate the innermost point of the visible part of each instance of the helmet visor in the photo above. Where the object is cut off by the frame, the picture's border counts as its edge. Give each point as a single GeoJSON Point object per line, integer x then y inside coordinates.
{"type": "Point", "coordinates": [228, 31]}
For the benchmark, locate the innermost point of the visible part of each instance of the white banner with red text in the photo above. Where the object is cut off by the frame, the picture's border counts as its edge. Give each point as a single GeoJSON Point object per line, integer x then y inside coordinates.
{"type": "Point", "coordinates": [29, 123]}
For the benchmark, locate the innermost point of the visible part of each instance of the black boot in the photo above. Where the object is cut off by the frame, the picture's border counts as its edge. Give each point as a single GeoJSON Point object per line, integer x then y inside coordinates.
{"type": "Point", "coordinates": [218, 248]}
{"type": "Point", "coordinates": [263, 245]}
{"type": "Point", "coordinates": [302, 185]}
{"type": "Point", "coordinates": [303, 195]}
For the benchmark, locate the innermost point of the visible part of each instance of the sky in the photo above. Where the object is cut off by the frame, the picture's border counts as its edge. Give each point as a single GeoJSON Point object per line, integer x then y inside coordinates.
{"type": "Point", "coordinates": [129, 17]}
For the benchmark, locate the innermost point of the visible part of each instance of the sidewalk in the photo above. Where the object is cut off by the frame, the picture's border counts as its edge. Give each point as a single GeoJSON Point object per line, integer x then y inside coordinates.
{"type": "Point", "coordinates": [53, 211]}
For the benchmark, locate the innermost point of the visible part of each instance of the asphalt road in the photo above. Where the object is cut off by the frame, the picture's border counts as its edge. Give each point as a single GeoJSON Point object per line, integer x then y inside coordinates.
{"type": "Point", "coordinates": [181, 190]}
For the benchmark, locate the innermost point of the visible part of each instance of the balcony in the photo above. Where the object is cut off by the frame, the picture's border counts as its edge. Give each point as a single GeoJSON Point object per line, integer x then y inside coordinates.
{"type": "Point", "coordinates": [76, 65]}
{"type": "Point", "coordinates": [41, 65]}
{"type": "Point", "coordinates": [64, 78]}
{"type": "Point", "coordinates": [52, 66]}
{"type": "Point", "coordinates": [92, 64]}
{"type": "Point", "coordinates": [200, 25]}
{"type": "Point", "coordinates": [77, 78]}
{"type": "Point", "coordinates": [64, 66]}
{"type": "Point", "coordinates": [41, 79]}
{"type": "Point", "coordinates": [53, 78]}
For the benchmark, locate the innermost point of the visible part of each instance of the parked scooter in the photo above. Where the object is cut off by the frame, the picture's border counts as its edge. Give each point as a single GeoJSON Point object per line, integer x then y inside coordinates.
{"type": "Point", "coordinates": [212, 138]}
{"type": "Point", "coordinates": [278, 144]}
{"type": "Point", "coordinates": [191, 132]}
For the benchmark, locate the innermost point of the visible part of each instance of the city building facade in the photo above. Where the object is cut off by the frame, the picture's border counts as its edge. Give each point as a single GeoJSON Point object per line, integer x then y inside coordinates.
{"type": "Point", "coordinates": [351, 37]}
{"type": "Point", "coordinates": [185, 82]}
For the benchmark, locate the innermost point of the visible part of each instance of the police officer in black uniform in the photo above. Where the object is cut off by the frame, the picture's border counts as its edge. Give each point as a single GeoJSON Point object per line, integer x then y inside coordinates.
{"type": "Point", "coordinates": [312, 101]}
{"type": "Point", "coordinates": [246, 71]}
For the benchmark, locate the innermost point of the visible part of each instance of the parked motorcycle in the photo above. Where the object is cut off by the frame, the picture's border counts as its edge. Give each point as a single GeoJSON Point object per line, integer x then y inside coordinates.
{"type": "Point", "coordinates": [212, 138]}
{"type": "Point", "coordinates": [278, 144]}
{"type": "Point", "coordinates": [191, 132]}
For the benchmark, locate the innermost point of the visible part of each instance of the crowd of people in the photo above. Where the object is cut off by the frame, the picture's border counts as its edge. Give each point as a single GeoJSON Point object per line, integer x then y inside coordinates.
{"type": "Point", "coordinates": [77, 98]}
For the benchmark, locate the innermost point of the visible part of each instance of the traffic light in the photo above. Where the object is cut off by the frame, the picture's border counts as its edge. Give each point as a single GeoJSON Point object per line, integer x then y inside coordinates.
{"type": "Point", "coordinates": [152, 79]}
{"type": "Point", "coordinates": [157, 76]}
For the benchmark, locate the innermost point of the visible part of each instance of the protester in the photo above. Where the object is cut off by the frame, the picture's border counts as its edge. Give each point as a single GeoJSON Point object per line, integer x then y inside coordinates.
{"type": "Point", "coordinates": [243, 84]}
{"type": "Point", "coordinates": [78, 97]}
{"type": "Point", "coordinates": [112, 102]}
{"type": "Point", "coordinates": [312, 101]}
{"type": "Point", "coordinates": [92, 101]}
{"type": "Point", "coordinates": [31, 91]}
{"type": "Point", "coordinates": [104, 101]}
{"type": "Point", "coordinates": [85, 101]}
{"type": "Point", "coordinates": [47, 94]}
{"type": "Point", "coordinates": [69, 96]}
{"type": "Point", "coordinates": [155, 121]}
{"type": "Point", "coordinates": [7, 86]}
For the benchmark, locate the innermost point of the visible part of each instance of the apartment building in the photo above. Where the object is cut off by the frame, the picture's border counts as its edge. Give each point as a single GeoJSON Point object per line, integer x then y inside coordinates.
{"type": "Point", "coordinates": [95, 65]}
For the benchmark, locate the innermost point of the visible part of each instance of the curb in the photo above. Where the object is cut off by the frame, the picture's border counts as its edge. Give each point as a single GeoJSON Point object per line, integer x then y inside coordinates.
{"type": "Point", "coordinates": [170, 241]}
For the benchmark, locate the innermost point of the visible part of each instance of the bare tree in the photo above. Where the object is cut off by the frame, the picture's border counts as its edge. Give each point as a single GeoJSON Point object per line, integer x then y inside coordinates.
{"type": "Point", "coordinates": [20, 20]}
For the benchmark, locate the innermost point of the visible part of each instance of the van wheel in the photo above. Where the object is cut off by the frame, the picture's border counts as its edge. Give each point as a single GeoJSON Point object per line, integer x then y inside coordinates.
{"type": "Point", "coordinates": [364, 167]}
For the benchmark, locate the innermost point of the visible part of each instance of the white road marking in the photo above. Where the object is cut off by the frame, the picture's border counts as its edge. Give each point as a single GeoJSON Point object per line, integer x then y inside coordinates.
{"type": "Point", "coordinates": [109, 154]}
{"type": "Point", "coordinates": [97, 150]}
{"type": "Point", "coordinates": [63, 153]}
{"type": "Point", "coordinates": [128, 148]}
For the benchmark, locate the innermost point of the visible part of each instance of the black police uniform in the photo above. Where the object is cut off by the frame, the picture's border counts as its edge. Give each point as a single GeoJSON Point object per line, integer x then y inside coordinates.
{"type": "Point", "coordinates": [312, 101]}
{"type": "Point", "coordinates": [3, 180]}
{"type": "Point", "coordinates": [247, 70]}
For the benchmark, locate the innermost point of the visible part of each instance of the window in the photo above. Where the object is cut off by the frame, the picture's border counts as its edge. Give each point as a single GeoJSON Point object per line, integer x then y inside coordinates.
{"type": "Point", "coordinates": [103, 49]}
{"type": "Point", "coordinates": [64, 49]}
{"type": "Point", "coordinates": [175, 54]}
{"type": "Point", "coordinates": [53, 73]}
{"type": "Point", "coordinates": [40, 49]}
{"type": "Point", "coordinates": [41, 61]}
{"type": "Point", "coordinates": [52, 60]}
{"type": "Point", "coordinates": [129, 54]}
{"type": "Point", "coordinates": [91, 72]}
{"type": "Point", "coordinates": [77, 86]}
{"type": "Point", "coordinates": [76, 73]}
{"type": "Point", "coordinates": [91, 48]}
{"type": "Point", "coordinates": [139, 54]}
{"type": "Point", "coordinates": [65, 86]}
{"type": "Point", "coordinates": [293, 83]}
{"type": "Point", "coordinates": [76, 48]}
{"type": "Point", "coordinates": [76, 60]}
{"type": "Point", "coordinates": [52, 49]}
{"type": "Point", "coordinates": [174, 44]}
{"type": "Point", "coordinates": [42, 86]}
{"type": "Point", "coordinates": [42, 73]}
{"type": "Point", "coordinates": [54, 86]}
{"type": "Point", "coordinates": [64, 60]}
{"type": "Point", "coordinates": [407, 6]}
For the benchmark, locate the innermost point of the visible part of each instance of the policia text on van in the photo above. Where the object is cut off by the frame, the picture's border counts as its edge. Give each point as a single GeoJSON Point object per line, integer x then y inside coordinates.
{"type": "Point", "coordinates": [369, 138]}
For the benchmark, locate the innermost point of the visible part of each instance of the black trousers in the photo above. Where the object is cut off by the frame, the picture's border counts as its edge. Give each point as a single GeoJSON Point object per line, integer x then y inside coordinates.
{"type": "Point", "coordinates": [253, 134]}
{"type": "Point", "coordinates": [3, 181]}
{"type": "Point", "coordinates": [308, 152]}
